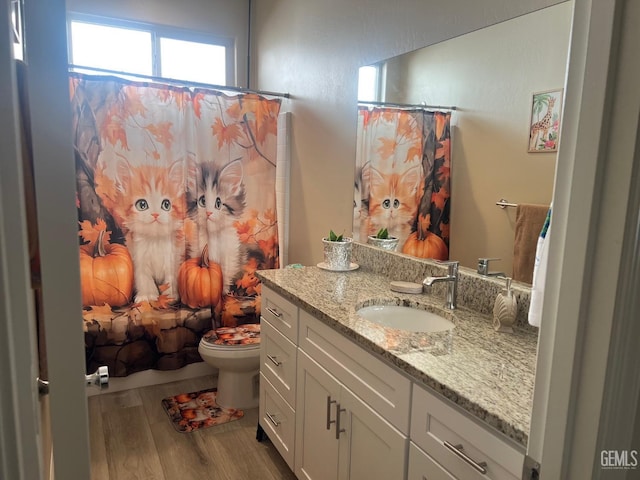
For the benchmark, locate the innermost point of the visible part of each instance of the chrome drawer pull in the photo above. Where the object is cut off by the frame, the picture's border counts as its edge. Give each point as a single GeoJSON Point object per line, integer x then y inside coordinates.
{"type": "Point", "coordinates": [273, 360]}
{"type": "Point", "coordinates": [338, 429]}
{"type": "Point", "coordinates": [329, 421]}
{"type": "Point", "coordinates": [272, 419]}
{"type": "Point", "coordinates": [458, 450]}
{"type": "Point", "coordinates": [274, 312]}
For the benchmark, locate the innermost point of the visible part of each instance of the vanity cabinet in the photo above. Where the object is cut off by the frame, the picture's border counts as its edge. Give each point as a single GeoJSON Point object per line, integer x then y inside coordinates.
{"type": "Point", "coordinates": [335, 411]}
{"type": "Point", "coordinates": [338, 435]}
{"type": "Point", "coordinates": [278, 365]}
{"type": "Point", "coordinates": [462, 448]}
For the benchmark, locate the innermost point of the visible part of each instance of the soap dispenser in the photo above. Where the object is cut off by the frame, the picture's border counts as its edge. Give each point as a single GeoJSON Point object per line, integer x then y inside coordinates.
{"type": "Point", "coordinates": [505, 309]}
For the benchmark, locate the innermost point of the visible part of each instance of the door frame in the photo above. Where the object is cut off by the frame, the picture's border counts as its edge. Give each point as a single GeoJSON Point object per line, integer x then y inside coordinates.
{"type": "Point", "coordinates": [55, 176]}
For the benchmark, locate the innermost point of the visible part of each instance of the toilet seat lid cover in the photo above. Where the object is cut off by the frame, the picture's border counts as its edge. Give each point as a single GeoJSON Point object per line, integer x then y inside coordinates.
{"type": "Point", "coordinates": [239, 336]}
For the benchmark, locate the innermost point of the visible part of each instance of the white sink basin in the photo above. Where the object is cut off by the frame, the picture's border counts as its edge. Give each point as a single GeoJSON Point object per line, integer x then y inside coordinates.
{"type": "Point", "coordinates": [405, 318]}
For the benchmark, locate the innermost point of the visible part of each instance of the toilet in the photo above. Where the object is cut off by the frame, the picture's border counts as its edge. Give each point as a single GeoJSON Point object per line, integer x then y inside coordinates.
{"type": "Point", "coordinates": [235, 352]}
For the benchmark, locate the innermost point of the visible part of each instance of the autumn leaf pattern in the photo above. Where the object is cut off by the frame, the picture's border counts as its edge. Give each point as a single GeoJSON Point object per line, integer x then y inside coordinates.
{"type": "Point", "coordinates": [393, 140]}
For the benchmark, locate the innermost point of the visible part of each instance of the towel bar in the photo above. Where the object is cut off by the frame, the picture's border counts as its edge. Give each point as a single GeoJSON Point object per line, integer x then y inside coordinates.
{"type": "Point", "coordinates": [503, 203]}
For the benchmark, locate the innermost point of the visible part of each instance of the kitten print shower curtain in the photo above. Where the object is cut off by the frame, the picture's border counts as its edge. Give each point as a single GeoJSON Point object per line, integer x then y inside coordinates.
{"type": "Point", "coordinates": [176, 208]}
{"type": "Point", "coordinates": [402, 180]}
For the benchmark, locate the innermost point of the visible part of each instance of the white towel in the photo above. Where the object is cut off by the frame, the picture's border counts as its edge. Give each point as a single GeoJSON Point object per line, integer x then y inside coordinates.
{"type": "Point", "coordinates": [283, 177]}
{"type": "Point", "coordinates": [540, 273]}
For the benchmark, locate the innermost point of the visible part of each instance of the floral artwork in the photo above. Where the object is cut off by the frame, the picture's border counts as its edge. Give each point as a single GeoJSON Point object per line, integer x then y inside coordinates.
{"type": "Point", "coordinates": [175, 191]}
{"type": "Point", "coordinates": [544, 127]}
{"type": "Point", "coordinates": [402, 180]}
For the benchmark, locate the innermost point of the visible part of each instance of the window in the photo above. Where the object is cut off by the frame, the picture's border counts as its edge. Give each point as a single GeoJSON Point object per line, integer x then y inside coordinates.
{"type": "Point", "coordinates": [368, 83]}
{"type": "Point", "coordinates": [149, 50]}
{"type": "Point", "coordinates": [16, 29]}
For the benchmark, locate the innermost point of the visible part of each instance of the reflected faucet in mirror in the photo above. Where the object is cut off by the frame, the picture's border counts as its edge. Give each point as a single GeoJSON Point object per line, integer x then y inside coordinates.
{"type": "Point", "coordinates": [483, 267]}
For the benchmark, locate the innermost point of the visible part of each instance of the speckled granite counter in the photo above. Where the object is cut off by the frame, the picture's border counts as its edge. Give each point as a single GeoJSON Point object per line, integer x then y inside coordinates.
{"type": "Point", "coordinates": [488, 374]}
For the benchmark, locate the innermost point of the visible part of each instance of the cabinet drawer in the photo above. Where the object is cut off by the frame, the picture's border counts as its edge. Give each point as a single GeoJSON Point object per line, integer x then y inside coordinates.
{"type": "Point", "coordinates": [281, 313]}
{"type": "Point", "coordinates": [386, 390]}
{"type": "Point", "coordinates": [277, 419]}
{"type": "Point", "coordinates": [422, 466]}
{"type": "Point", "coordinates": [434, 422]}
{"type": "Point", "coordinates": [278, 361]}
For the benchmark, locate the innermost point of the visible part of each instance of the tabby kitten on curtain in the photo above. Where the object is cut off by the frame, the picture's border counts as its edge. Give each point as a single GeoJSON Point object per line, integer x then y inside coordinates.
{"type": "Point", "coordinates": [151, 208]}
{"type": "Point", "coordinates": [393, 200]}
{"type": "Point", "coordinates": [361, 203]}
{"type": "Point", "coordinates": [220, 202]}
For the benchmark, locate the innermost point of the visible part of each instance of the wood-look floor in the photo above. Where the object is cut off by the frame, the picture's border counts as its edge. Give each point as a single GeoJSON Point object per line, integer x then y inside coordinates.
{"type": "Point", "coordinates": [132, 438]}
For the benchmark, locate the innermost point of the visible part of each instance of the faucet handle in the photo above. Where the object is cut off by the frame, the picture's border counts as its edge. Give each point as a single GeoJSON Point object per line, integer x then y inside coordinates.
{"type": "Point", "coordinates": [452, 264]}
{"type": "Point", "coordinates": [483, 265]}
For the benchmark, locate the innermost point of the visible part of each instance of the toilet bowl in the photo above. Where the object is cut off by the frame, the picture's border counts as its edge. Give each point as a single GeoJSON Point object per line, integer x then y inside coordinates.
{"type": "Point", "coordinates": [235, 352]}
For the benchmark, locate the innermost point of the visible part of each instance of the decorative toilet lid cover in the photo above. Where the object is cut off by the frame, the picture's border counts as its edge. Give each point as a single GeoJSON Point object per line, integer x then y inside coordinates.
{"type": "Point", "coordinates": [245, 334]}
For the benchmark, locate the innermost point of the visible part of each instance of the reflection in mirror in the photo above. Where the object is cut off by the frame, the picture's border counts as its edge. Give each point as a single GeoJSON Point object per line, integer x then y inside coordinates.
{"type": "Point", "coordinates": [402, 183]}
{"type": "Point", "coordinates": [491, 76]}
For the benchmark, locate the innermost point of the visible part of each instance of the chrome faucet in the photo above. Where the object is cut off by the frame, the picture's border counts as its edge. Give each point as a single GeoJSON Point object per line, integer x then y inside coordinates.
{"type": "Point", "coordinates": [483, 267]}
{"type": "Point", "coordinates": [452, 283]}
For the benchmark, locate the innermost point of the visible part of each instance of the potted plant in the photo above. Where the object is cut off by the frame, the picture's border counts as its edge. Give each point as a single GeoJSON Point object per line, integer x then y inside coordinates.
{"type": "Point", "coordinates": [382, 239]}
{"type": "Point", "coordinates": [337, 252]}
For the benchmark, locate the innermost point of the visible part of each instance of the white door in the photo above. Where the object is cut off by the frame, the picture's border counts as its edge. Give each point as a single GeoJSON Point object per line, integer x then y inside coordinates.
{"type": "Point", "coordinates": [19, 407]}
{"type": "Point", "coordinates": [45, 34]}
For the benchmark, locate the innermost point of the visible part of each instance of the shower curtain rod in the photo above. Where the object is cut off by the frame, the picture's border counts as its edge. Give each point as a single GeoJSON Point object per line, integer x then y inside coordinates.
{"type": "Point", "coordinates": [176, 82]}
{"type": "Point", "coordinates": [407, 105]}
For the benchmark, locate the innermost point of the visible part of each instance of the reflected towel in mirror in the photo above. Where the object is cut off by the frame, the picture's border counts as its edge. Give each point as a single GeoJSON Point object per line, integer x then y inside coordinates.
{"type": "Point", "coordinates": [529, 221]}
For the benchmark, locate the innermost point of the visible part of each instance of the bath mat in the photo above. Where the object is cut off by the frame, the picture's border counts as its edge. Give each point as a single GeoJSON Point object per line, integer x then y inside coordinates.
{"type": "Point", "coordinates": [192, 411]}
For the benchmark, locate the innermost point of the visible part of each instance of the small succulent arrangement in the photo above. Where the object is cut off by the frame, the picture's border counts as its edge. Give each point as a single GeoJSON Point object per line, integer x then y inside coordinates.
{"type": "Point", "coordinates": [337, 251]}
{"type": "Point", "coordinates": [383, 234]}
{"type": "Point", "coordinates": [335, 238]}
{"type": "Point", "coordinates": [382, 239]}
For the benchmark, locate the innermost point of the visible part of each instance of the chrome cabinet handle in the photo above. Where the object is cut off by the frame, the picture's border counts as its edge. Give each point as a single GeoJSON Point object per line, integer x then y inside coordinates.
{"type": "Point", "coordinates": [338, 412]}
{"type": "Point", "coordinates": [274, 360]}
{"type": "Point", "coordinates": [274, 312]}
{"type": "Point", "coordinates": [458, 450]}
{"type": "Point", "coordinates": [272, 419]}
{"type": "Point", "coordinates": [329, 421]}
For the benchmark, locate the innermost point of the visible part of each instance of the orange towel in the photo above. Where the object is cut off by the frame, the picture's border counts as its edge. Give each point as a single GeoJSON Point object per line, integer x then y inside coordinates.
{"type": "Point", "coordinates": [529, 222]}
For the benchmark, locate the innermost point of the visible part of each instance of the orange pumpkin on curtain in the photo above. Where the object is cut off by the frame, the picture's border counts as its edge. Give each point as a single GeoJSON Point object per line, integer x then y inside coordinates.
{"type": "Point", "coordinates": [106, 269]}
{"type": "Point", "coordinates": [200, 281]}
{"type": "Point", "coordinates": [424, 244]}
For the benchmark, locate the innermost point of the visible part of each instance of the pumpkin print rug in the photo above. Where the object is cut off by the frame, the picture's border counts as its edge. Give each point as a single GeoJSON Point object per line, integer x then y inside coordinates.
{"type": "Point", "coordinates": [192, 411]}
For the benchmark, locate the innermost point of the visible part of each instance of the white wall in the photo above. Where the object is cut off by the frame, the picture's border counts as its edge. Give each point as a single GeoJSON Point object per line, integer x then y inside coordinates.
{"type": "Point", "coordinates": [491, 74]}
{"type": "Point", "coordinates": [216, 17]}
{"type": "Point", "coordinates": [313, 50]}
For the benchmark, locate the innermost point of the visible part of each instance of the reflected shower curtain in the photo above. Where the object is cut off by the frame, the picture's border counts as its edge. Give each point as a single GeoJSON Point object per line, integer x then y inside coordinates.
{"type": "Point", "coordinates": [402, 180]}
{"type": "Point", "coordinates": [176, 208]}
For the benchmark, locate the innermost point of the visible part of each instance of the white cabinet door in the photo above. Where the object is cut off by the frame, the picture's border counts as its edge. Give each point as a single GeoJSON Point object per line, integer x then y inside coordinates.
{"type": "Point", "coordinates": [316, 450]}
{"type": "Point", "coordinates": [370, 447]}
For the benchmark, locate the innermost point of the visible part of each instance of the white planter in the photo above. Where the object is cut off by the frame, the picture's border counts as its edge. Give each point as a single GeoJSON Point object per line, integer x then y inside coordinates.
{"type": "Point", "coordinates": [337, 255]}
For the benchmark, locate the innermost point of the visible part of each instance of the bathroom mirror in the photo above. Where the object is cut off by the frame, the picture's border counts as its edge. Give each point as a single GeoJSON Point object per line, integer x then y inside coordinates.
{"type": "Point", "coordinates": [490, 75]}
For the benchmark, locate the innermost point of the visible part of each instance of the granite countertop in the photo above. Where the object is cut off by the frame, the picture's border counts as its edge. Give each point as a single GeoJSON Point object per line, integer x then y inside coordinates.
{"type": "Point", "coordinates": [488, 374]}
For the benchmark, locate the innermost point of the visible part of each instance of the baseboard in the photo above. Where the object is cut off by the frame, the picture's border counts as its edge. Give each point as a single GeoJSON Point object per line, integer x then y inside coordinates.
{"type": "Point", "coordinates": [154, 377]}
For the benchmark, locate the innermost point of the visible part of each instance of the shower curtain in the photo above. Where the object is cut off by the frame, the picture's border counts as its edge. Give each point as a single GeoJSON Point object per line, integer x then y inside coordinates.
{"type": "Point", "coordinates": [176, 207]}
{"type": "Point", "coordinates": [402, 180]}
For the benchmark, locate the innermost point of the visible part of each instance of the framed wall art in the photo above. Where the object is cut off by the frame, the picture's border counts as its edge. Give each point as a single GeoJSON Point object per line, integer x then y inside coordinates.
{"type": "Point", "coordinates": [544, 125]}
